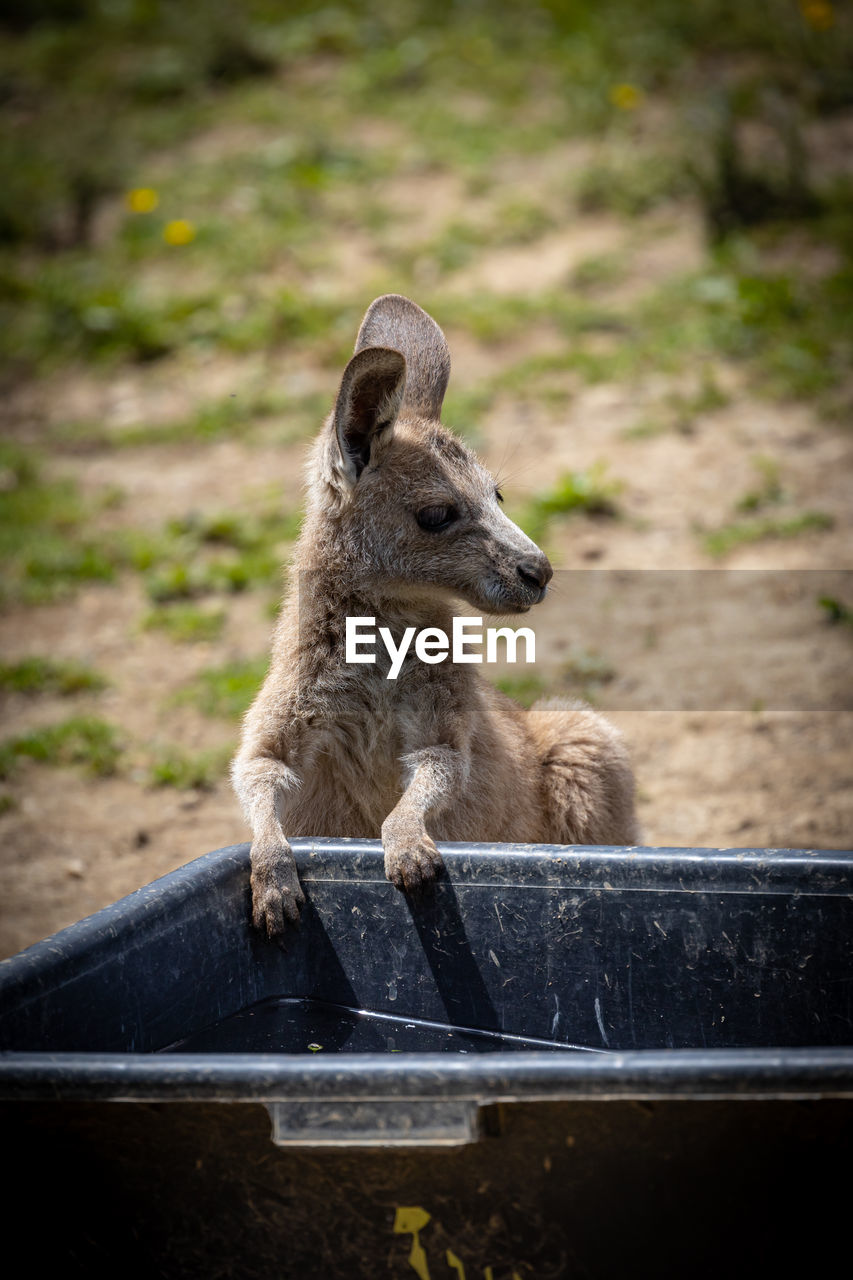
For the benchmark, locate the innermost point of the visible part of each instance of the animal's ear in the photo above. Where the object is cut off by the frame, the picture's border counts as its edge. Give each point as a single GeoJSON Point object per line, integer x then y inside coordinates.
{"type": "Point", "coordinates": [368, 402]}
{"type": "Point", "coordinates": [394, 321]}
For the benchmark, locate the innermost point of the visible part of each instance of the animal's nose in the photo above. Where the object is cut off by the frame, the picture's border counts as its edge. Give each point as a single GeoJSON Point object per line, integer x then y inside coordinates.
{"type": "Point", "coordinates": [535, 573]}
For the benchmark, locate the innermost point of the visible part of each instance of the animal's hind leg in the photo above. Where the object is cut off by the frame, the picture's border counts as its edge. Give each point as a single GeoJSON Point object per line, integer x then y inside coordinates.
{"type": "Point", "coordinates": [588, 784]}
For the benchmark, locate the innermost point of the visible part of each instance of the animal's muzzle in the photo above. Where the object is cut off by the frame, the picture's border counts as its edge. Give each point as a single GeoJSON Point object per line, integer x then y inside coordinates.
{"type": "Point", "coordinates": [535, 574]}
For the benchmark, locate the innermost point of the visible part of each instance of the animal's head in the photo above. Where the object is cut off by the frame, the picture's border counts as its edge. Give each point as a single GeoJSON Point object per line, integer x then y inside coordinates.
{"type": "Point", "coordinates": [415, 507]}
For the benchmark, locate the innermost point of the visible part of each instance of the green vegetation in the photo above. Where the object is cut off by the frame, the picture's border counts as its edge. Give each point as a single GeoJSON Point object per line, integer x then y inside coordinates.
{"type": "Point", "coordinates": [581, 675]}
{"type": "Point", "coordinates": [218, 553]}
{"type": "Point", "coordinates": [463, 410]}
{"type": "Point", "coordinates": [235, 415]}
{"type": "Point", "coordinates": [189, 185]}
{"type": "Point", "coordinates": [587, 670]}
{"type": "Point", "coordinates": [629, 182]}
{"type": "Point", "coordinates": [721, 542]}
{"type": "Point", "coordinates": [792, 335]}
{"type": "Point", "coordinates": [80, 740]}
{"type": "Point", "coordinates": [130, 257]}
{"type": "Point", "coordinates": [227, 690]}
{"type": "Point", "coordinates": [50, 544]}
{"type": "Point", "coordinates": [188, 771]}
{"type": "Point", "coordinates": [759, 526]}
{"type": "Point", "coordinates": [799, 332]}
{"type": "Point", "coordinates": [598, 272]}
{"type": "Point", "coordinates": [590, 492]}
{"type": "Point", "coordinates": [44, 550]}
{"type": "Point", "coordinates": [44, 675]}
{"type": "Point", "coordinates": [836, 611]}
{"type": "Point", "coordinates": [680, 412]}
{"type": "Point", "coordinates": [769, 491]}
{"type": "Point", "coordinates": [525, 688]}
{"type": "Point", "coordinates": [186, 623]}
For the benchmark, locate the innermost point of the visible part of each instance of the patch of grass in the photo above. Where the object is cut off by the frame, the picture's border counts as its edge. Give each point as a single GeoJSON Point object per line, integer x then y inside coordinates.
{"type": "Point", "coordinates": [210, 553]}
{"type": "Point", "coordinates": [795, 333]}
{"type": "Point", "coordinates": [598, 272]}
{"type": "Point", "coordinates": [177, 581]}
{"type": "Point", "coordinates": [97, 308]}
{"type": "Point", "coordinates": [599, 345]}
{"type": "Point", "coordinates": [78, 308]}
{"type": "Point", "coordinates": [679, 412]}
{"type": "Point", "coordinates": [458, 243]}
{"type": "Point", "coordinates": [228, 572]}
{"type": "Point", "coordinates": [487, 317]}
{"type": "Point", "coordinates": [234, 529]}
{"type": "Point", "coordinates": [630, 181]}
{"type": "Point", "coordinates": [582, 674]}
{"type": "Point", "coordinates": [721, 542]}
{"type": "Point", "coordinates": [188, 771]}
{"type": "Point", "coordinates": [768, 492]}
{"type": "Point", "coordinates": [237, 415]}
{"type": "Point", "coordinates": [590, 492]}
{"type": "Point", "coordinates": [492, 317]}
{"type": "Point", "coordinates": [228, 690]}
{"type": "Point", "coordinates": [651, 425]}
{"type": "Point", "coordinates": [80, 740]}
{"type": "Point", "coordinates": [512, 222]}
{"type": "Point", "coordinates": [186, 623]}
{"type": "Point", "coordinates": [44, 551]}
{"type": "Point", "coordinates": [759, 527]}
{"type": "Point", "coordinates": [464, 409]}
{"type": "Point", "coordinates": [707, 398]}
{"type": "Point", "coordinates": [519, 221]}
{"type": "Point", "coordinates": [525, 688]}
{"type": "Point", "coordinates": [836, 611]}
{"type": "Point", "coordinates": [44, 675]}
{"type": "Point", "coordinates": [48, 551]}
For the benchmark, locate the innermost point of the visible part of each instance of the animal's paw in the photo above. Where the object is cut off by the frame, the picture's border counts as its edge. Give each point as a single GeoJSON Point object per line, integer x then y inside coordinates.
{"type": "Point", "coordinates": [276, 892]}
{"type": "Point", "coordinates": [411, 859]}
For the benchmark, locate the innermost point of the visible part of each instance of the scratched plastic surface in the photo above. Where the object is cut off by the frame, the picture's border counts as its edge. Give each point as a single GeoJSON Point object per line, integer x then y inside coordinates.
{"type": "Point", "coordinates": [315, 1026]}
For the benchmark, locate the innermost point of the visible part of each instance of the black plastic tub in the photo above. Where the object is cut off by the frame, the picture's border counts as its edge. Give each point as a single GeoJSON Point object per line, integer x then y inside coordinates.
{"type": "Point", "coordinates": [560, 1062]}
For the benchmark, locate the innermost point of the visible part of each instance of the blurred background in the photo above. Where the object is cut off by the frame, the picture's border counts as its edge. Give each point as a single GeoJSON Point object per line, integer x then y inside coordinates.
{"type": "Point", "coordinates": [633, 222]}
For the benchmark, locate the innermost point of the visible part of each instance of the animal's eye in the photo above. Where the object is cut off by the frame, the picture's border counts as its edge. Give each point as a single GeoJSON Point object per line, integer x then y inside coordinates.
{"type": "Point", "coordinates": [435, 518]}
{"type": "Point", "coordinates": [499, 495]}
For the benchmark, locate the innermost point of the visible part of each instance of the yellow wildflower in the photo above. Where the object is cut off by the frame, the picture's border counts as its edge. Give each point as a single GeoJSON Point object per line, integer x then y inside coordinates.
{"type": "Point", "coordinates": [819, 14]}
{"type": "Point", "coordinates": [627, 97]}
{"type": "Point", "coordinates": [142, 200]}
{"type": "Point", "coordinates": [179, 232]}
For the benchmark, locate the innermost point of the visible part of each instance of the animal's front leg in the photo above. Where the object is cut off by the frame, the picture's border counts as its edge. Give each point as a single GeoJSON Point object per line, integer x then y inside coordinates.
{"type": "Point", "coordinates": [434, 777]}
{"type": "Point", "coordinates": [277, 896]}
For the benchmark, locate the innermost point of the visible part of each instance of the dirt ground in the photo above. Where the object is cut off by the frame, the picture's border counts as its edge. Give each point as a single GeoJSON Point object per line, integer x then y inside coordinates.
{"type": "Point", "coordinates": [716, 768]}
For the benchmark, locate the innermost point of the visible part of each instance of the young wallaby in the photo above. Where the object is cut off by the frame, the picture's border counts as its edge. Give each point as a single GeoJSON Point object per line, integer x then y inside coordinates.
{"type": "Point", "coordinates": [401, 521]}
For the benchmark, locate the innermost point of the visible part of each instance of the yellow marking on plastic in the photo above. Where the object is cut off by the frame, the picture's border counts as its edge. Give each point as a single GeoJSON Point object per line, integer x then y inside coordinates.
{"type": "Point", "coordinates": [412, 1220]}
{"type": "Point", "coordinates": [453, 1261]}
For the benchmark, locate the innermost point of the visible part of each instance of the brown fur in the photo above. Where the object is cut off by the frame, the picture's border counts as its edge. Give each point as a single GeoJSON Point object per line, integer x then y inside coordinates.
{"type": "Point", "coordinates": [336, 749]}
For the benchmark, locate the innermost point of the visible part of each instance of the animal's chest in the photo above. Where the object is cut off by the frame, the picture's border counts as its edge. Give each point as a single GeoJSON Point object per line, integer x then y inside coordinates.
{"type": "Point", "coordinates": [349, 763]}
{"type": "Point", "coordinates": [360, 730]}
